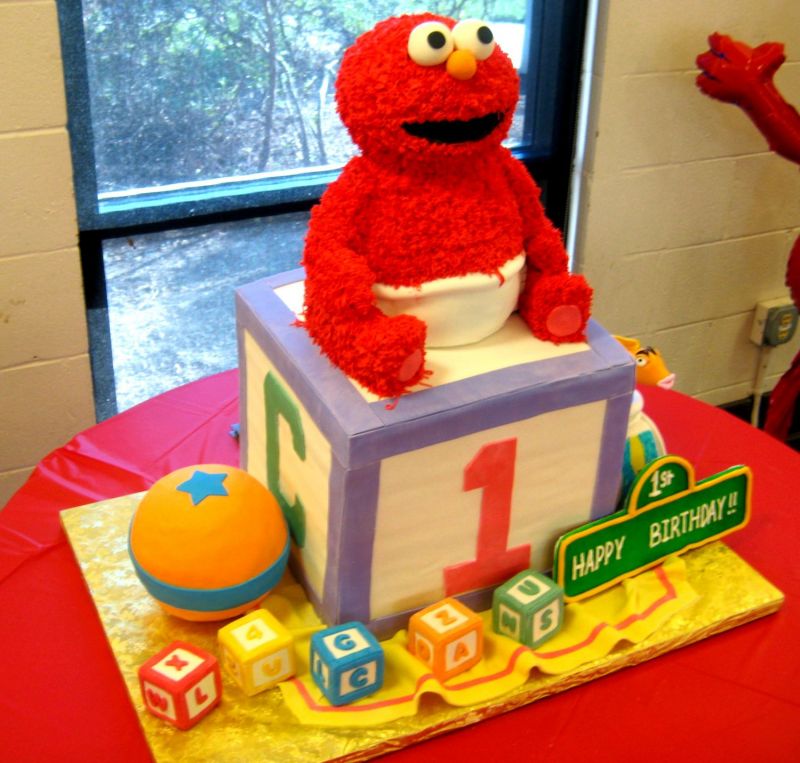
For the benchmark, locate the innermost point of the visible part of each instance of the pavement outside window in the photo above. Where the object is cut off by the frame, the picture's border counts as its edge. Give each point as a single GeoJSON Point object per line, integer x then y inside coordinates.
{"type": "Point", "coordinates": [171, 301]}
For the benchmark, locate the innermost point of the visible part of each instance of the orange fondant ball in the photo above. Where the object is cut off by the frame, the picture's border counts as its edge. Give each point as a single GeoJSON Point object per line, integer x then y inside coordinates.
{"type": "Point", "coordinates": [209, 542]}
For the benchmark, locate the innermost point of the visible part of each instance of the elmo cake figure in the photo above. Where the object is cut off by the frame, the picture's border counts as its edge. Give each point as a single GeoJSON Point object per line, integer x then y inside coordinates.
{"type": "Point", "coordinates": [435, 233]}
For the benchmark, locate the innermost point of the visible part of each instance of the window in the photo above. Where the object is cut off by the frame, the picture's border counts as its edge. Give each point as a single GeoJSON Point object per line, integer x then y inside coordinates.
{"type": "Point", "coordinates": [202, 130]}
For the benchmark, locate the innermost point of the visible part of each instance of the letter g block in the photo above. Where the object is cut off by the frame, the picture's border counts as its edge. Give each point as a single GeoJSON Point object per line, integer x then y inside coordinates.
{"type": "Point", "coordinates": [346, 662]}
{"type": "Point", "coordinates": [529, 608]}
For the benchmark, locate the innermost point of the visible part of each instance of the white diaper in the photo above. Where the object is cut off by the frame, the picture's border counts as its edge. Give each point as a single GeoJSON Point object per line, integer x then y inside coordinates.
{"type": "Point", "coordinates": [461, 309]}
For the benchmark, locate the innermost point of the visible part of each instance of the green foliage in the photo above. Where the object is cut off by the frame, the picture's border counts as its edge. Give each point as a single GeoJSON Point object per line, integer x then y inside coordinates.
{"type": "Point", "coordinates": [185, 91]}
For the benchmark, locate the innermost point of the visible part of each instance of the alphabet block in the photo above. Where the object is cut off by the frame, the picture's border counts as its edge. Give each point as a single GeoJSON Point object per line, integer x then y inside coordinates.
{"type": "Point", "coordinates": [181, 684]}
{"type": "Point", "coordinates": [447, 637]}
{"type": "Point", "coordinates": [529, 608]}
{"type": "Point", "coordinates": [346, 662]}
{"type": "Point", "coordinates": [257, 650]}
{"type": "Point", "coordinates": [526, 438]}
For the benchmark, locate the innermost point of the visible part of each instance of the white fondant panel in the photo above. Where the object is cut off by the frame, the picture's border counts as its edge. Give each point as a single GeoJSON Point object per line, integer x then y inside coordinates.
{"type": "Point", "coordinates": [425, 515]}
{"type": "Point", "coordinates": [253, 634]}
{"type": "Point", "coordinates": [159, 700]}
{"type": "Point", "coordinates": [512, 345]}
{"type": "Point", "coordinates": [200, 696]}
{"type": "Point", "coordinates": [292, 295]}
{"type": "Point", "coordinates": [458, 651]}
{"type": "Point", "coordinates": [271, 668]}
{"type": "Point", "coordinates": [177, 664]}
{"type": "Point", "coordinates": [307, 478]}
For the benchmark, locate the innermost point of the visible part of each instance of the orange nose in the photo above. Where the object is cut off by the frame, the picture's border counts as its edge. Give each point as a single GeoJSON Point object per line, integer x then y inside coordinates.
{"type": "Point", "coordinates": [461, 64]}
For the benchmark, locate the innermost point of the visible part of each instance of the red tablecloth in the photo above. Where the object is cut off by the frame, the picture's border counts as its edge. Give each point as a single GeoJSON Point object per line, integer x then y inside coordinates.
{"type": "Point", "coordinates": [733, 697]}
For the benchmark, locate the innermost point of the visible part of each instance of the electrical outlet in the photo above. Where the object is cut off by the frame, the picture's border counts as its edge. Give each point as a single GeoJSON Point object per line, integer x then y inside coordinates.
{"type": "Point", "coordinates": [774, 323]}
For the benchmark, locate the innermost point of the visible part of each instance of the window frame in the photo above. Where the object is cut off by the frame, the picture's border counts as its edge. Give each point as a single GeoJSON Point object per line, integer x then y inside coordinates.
{"type": "Point", "coordinates": [554, 44]}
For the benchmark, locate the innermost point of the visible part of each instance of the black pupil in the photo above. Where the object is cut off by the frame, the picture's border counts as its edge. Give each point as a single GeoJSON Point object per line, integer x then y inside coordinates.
{"type": "Point", "coordinates": [485, 35]}
{"type": "Point", "coordinates": [436, 40]}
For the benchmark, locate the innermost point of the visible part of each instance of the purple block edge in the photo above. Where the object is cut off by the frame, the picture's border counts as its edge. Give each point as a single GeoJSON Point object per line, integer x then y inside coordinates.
{"type": "Point", "coordinates": [354, 427]}
{"type": "Point", "coordinates": [243, 434]}
{"type": "Point", "coordinates": [609, 468]}
{"type": "Point", "coordinates": [350, 543]}
{"type": "Point", "coordinates": [498, 409]}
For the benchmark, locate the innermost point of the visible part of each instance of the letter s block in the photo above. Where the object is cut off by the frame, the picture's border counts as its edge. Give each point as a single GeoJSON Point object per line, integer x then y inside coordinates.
{"type": "Point", "coordinates": [447, 637]}
{"type": "Point", "coordinates": [346, 662]}
{"type": "Point", "coordinates": [181, 684]}
{"type": "Point", "coordinates": [257, 650]}
{"type": "Point", "coordinates": [529, 608]}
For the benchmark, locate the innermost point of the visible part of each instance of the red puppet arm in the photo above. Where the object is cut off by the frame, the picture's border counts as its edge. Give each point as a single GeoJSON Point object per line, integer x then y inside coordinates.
{"type": "Point", "coordinates": [783, 400]}
{"type": "Point", "coordinates": [385, 354]}
{"type": "Point", "coordinates": [554, 303]}
{"type": "Point", "coordinates": [736, 73]}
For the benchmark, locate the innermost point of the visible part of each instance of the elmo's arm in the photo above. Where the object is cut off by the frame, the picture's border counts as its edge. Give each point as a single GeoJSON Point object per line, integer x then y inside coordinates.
{"type": "Point", "coordinates": [554, 303]}
{"type": "Point", "coordinates": [544, 247]}
{"type": "Point", "coordinates": [336, 273]}
{"type": "Point", "coordinates": [385, 354]}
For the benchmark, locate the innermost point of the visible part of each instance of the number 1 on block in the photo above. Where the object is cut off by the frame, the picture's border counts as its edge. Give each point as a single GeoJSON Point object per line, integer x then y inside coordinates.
{"type": "Point", "coordinates": [491, 470]}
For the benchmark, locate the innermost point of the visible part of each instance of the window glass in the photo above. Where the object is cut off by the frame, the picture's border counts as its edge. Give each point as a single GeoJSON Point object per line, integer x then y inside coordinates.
{"type": "Point", "coordinates": [183, 113]}
{"type": "Point", "coordinates": [196, 94]}
{"type": "Point", "coordinates": [171, 310]}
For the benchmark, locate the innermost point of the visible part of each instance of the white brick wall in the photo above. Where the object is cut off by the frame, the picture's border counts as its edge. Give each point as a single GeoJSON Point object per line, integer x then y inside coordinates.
{"type": "Point", "coordinates": [686, 219]}
{"type": "Point", "coordinates": [45, 380]}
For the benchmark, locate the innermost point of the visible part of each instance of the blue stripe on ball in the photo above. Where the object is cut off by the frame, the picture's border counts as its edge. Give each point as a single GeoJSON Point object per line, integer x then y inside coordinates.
{"type": "Point", "coordinates": [213, 599]}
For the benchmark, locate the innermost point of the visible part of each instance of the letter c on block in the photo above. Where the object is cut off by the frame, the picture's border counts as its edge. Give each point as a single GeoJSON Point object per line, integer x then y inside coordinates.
{"type": "Point", "coordinates": [278, 403]}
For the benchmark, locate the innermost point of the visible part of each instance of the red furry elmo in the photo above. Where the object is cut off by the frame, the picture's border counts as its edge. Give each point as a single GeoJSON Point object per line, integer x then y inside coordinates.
{"type": "Point", "coordinates": [432, 204]}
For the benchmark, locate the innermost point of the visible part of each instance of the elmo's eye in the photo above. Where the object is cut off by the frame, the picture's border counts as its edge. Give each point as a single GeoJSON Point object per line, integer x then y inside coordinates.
{"type": "Point", "coordinates": [430, 43]}
{"type": "Point", "coordinates": [474, 36]}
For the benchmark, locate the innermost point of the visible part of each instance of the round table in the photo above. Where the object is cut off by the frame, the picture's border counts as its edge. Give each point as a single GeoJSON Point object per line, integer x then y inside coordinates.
{"type": "Point", "coordinates": [731, 697]}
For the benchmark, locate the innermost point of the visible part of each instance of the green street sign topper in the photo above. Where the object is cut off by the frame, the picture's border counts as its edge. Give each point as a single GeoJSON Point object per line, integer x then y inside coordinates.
{"type": "Point", "coordinates": [666, 513]}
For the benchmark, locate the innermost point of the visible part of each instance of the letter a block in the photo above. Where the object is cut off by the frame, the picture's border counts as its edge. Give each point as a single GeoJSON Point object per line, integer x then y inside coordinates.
{"type": "Point", "coordinates": [447, 637]}
{"type": "Point", "coordinates": [257, 650]}
{"type": "Point", "coordinates": [529, 608]}
{"type": "Point", "coordinates": [346, 662]}
{"type": "Point", "coordinates": [181, 684]}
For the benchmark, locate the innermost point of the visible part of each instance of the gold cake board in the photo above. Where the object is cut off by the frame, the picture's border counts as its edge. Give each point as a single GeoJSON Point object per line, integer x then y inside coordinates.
{"type": "Point", "coordinates": [137, 628]}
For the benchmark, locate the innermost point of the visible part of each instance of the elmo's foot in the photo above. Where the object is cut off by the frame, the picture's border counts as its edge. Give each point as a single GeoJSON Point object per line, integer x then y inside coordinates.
{"type": "Point", "coordinates": [564, 320]}
{"type": "Point", "coordinates": [557, 308]}
{"type": "Point", "coordinates": [387, 355]}
{"type": "Point", "coordinates": [410, 367]}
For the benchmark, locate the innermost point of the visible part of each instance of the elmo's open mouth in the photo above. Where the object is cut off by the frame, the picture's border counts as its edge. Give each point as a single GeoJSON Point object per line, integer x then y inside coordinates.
{"type": "Point", "coordinates": [455, 130]}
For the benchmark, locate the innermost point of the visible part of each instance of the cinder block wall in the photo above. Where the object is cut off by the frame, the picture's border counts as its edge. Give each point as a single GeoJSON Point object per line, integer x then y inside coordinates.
{"type": "Point", "coordinates": [686, 218]}
{"type": "Point", "coordinates": [45, 379]}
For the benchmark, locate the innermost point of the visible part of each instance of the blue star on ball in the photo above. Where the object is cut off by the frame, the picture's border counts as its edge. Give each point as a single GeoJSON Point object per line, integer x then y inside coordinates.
{"type": "Point", "coordinates": [201, 485]}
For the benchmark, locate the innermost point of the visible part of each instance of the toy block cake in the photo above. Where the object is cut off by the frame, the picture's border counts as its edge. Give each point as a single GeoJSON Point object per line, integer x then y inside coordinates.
{"type": "Point", "coordinates": [447, 491]}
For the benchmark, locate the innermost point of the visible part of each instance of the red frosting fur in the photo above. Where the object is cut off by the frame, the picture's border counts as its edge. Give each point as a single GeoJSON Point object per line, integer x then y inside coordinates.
{"type": "Point", "coordinates": [409, 210]}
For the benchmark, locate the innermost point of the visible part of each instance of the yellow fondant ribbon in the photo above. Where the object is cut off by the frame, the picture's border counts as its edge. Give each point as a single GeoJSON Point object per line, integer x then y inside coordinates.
{"type": "Point", "coordinates": [628, 612]}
